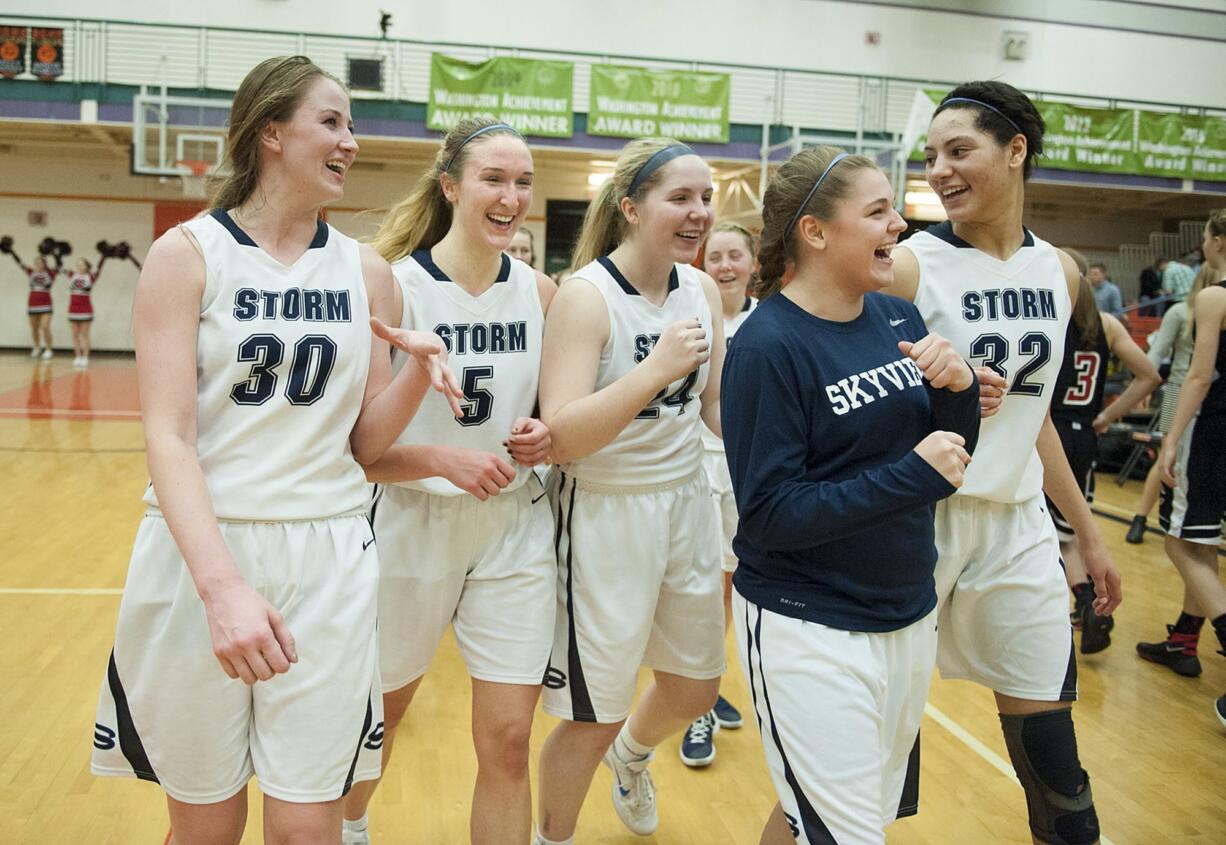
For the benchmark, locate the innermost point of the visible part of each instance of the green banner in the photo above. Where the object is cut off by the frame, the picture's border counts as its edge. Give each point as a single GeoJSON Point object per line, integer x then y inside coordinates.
{"type": "Point", "coordinates": [1129, 141]}
{"type": "Point", "coordinates": [532, 95]}
{"type": "Point", "coordinates": [1097, 140]}
{"type": "Point", "coordinates": [1185, 146]}
{"type": "Point", "coordinates": [630, 102]}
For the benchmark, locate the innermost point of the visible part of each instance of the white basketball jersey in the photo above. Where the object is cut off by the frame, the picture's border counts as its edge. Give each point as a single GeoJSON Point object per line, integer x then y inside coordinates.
{"type": "Point", "coordinates": [1011, 316]}
{"type": "Point", "coordinates": [494, 348]}
{"type": "Point", "coordinates": [709, 441]}
{"type": "Point", "coordinates": [282, 357]}
{"type": "Point", "coordinates": [663, 443]}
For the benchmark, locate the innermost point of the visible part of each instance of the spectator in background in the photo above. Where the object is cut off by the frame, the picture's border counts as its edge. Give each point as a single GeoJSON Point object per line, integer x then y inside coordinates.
{"type": "Point", "coordinates": [523, 247]}
{"type": "Point", "coordinates": [1106, 292]}
{"type": "Point", "coordinates": [1151, 289]}
{"type": "Point", "coordinates": [1177, 279]}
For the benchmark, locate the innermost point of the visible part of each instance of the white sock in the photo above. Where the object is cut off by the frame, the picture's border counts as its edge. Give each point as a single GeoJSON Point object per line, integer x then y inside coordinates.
{"type": "Point", "coordinates": [541, 840]}
{"type": "Point", "coordinates": [627, 747]}
{"type": "Point", "coordinates": [356, 825]}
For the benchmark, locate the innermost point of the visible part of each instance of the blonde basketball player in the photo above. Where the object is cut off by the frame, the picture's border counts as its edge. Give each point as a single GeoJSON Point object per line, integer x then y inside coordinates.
{"type": "Point", "coordinates": [633, 352]}
{"type": "Point", "coordinates": [1003, 298]}
{"type": "Point", "coordinates": [465, 530]}
{"type": "Point", "coordinates": [246, 635]}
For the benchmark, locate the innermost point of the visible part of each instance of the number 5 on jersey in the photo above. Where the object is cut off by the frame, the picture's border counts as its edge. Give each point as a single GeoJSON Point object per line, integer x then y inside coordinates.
{"type": "Point", "coordinates": [478, 402]}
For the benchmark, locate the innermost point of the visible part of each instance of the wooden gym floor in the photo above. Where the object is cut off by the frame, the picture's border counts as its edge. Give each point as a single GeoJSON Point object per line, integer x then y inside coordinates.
{"type": "Point", "coordinates": [73, 470]}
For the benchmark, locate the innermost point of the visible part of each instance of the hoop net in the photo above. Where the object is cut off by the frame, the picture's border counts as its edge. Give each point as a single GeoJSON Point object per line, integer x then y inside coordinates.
{"type": "Point", "coordinates": [194, 175]}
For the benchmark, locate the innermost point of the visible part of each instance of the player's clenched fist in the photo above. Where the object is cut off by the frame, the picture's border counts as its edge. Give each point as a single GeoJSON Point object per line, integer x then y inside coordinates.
{"type": "Point", "coordinates": [992, 386]}
{"type": "Point", "coordinates": [682, 348]}
{"type": "Point", "coordinates": [944, 451]}
{"type": "Point", "coordinates": [939, 362]}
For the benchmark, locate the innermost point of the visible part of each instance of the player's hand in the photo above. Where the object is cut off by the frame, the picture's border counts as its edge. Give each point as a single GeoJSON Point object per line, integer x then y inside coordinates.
{"type": "Point", "coordinates": [683, 348]}
{"type": "Point", "coordinates": [428, 352]}
{"type": "Point", "coordinates": [992, 387]}
{"type": "Point", "coordinates": [481, 474]}
{"type": "Point", "coordinates": [1166, 464]}
{"type": "Point", "coordinates": [249, 636]}
{"type": "Point", "coordinates": [1108, 589]}
{"type": "Point", "coordinates": [530, 442]}
{"type": "Point", "coordinates": [944, 451]}
{"type": "Point", "coordinates": [1100, 425]}
{"type": "Point", "coordinates": [939, 362]}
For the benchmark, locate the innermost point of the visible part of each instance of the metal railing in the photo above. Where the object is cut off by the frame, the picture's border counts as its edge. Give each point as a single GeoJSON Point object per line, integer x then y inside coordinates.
{"type": "Point", "coordinates": [216, 58]}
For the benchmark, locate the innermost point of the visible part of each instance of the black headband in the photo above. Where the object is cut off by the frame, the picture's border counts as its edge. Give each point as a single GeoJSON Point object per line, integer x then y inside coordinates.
{"type": "Point", "coordinates": [987, 106]}
{"type": "Point", "coordinates": [658, 160]}
{"type": "Point", "coordinates": [813, 190]}
{"type": "Point", "coordinates": [481, 131]}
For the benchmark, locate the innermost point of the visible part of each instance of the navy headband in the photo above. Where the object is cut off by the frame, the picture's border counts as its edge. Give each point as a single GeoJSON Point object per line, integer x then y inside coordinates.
{"type": "Point", "coordinates": [813, 190]}
{"type": "Point", "coordinates": [480, 131]}
{"type": "Point", "coordinates": [987, 106]}
{"type": "Point", "coordinates": [658, 160]}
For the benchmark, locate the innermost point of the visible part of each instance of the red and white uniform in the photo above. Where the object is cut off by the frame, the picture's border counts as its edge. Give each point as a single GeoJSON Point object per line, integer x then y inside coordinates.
{"type": "Point", "coordinates": [40, 291]}
{"type": "Point", "coordinates": [80, 305]}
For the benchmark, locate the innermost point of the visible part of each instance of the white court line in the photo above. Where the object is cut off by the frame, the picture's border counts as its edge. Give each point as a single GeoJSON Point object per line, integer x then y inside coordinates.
{"type": "Point", "coordinates": [993, 759]}
{"type": "Point", "coordinates": [60, 591]}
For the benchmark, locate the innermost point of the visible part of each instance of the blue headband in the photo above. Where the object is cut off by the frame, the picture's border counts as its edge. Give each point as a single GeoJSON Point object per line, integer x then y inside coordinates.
{"type": "Point", "coordinates": [658, 160]}
{"type": "Point", "coordinates": [813, 190]}
{"type": "Point", "coordinates": [481, 131]}
{"type": "Point", "coordinates": [987, 106]}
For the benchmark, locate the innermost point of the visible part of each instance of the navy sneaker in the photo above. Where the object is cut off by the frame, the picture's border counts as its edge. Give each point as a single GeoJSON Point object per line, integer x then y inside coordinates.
{"type": "Point", "coordinates": [1095, 630]}
{"type": "Point", "coordinates": [1220, 709]}
{"type": "Point", "coordinates": [698, 744]}
{"type": "Point", "coordinates": [727, 715]}
{"type": "Point", "coordinates": [1136, 531]}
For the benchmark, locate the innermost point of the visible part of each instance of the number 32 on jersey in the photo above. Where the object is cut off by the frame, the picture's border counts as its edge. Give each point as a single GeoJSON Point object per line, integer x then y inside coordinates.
{"type": "Point", "coordinates": [993, 351]}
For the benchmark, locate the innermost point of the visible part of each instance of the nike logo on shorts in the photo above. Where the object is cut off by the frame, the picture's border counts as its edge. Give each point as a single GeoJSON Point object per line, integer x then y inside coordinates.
{"type": "Point", "coordinates": [366, 545]}
{"type": "Point", "coordinates": [898, 322]}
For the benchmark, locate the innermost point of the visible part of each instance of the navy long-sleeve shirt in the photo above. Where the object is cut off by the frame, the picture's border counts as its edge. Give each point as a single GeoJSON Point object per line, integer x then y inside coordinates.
{"type": "Point", "coordinates": [820, 423]}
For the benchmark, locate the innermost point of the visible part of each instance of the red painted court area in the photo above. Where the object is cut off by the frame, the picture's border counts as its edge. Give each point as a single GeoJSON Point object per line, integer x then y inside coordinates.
{"type": "Point", "coordinates": [102, 392]}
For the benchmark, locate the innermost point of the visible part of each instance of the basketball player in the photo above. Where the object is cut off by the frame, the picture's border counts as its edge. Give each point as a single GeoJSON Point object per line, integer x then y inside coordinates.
{"type": "Point", "coordinates": [728, 258]}
{"type": "Point", "coordinates": [81, 308]}
{"type": "Point", "coordinates": [246, 634]}
{"type": "Point", "coordinates": [1172, 343]}
{"type": "Point", "coordinates": [1079, 415]}
{"type": "Point", "coordinates": [1003, 298]}
{"type": "Point", "coordinates": [1178, 652]}
{"type": "Point", "coordinates": [630, 373]}
{"type": "Point", "coordinates": [846, 422]}
{"type": "Point", "coordinates": [1193, 456]}
{"type": "Point", "coordinates": [523, 247]}
{"type": "Point", "coordinates": [38, 304]}
{"type": "Point", "coordinates": [465, 531]}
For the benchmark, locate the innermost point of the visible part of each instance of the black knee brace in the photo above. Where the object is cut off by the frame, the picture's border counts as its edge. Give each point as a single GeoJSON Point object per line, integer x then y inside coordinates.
{"type": "Point", "coordinates": [1043, 749]}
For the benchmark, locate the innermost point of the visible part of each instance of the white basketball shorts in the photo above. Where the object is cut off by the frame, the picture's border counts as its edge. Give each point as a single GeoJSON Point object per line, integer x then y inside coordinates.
{"type": "Point", "coordinates": [168, 713]}
{"type": "Point", "coordinates": [1003, 599]}
{"type": "Point", "coordinates": [638, 584]}
{"type": "Point", "coordinates": [716, 466]}
{"type": "Point", "coordinates": [485, 568]}
{"type": "Point", "coordinates": [839, 715]}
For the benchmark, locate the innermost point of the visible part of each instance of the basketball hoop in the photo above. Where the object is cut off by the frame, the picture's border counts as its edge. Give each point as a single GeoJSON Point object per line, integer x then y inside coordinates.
{"type": "Point", "coordinates": [194, 175]}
